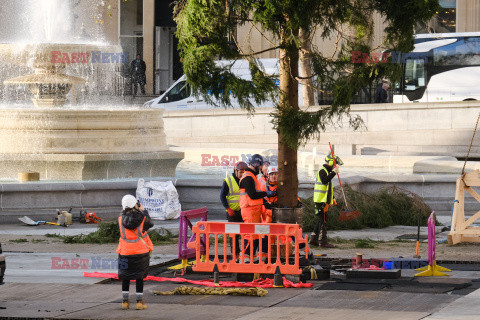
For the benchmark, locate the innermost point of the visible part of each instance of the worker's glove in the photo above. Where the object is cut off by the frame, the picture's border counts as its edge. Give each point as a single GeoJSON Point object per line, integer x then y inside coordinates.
{"type": "Point", "coordinates": [336, 169]}
{"type": "Point", "coordinates": [271, 194]}
{"type": "Point", "coordinates": [334, 203]}
{"type": "Point", "coordinates": [230, 212]}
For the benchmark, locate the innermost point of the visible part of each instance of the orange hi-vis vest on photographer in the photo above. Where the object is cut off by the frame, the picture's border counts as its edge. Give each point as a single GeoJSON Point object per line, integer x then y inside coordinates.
{"type": "Point", "coordinates": [133, 241]}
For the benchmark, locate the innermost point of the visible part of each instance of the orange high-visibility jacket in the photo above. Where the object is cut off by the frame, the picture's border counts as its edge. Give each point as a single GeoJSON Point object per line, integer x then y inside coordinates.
{"type": "Point", "coordinates": [267, 213]}
{"type": "Point", "coordinates": [271, 188]}
{"type": "Point", "coordinates": [133, 241]}
{"type": "Point", "coordinates": [245, 200]}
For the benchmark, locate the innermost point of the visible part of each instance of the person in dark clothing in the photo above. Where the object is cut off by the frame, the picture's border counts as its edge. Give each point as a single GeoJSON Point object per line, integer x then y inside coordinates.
{"type": "Point", "coordinates": [138, 69]}
{"type": "Point", "coordinates": [230, 198]}
{"type": "Point", "coordinates": [134, 248]}
{"type": "Point", "coordinates": [323, 198]}
{"type": "Point", "coordinates": [381, 95]}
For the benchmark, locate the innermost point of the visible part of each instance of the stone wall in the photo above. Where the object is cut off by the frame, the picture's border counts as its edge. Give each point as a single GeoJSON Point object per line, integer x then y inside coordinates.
{"type": "Point", "coordinates": [39, 201]}
{"type": "Point", "coordinates": [404, 129]}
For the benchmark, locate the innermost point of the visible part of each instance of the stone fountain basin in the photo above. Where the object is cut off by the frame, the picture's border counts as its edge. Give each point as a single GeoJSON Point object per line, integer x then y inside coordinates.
{"type": "Point", "coordinates": [85, 144]}
{"type": "Point", "coordinates": [46, 78]}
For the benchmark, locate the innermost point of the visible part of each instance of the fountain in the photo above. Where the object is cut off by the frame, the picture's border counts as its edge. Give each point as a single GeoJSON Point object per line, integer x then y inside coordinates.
{"type": "Point", "coordinates": [49, 84]}
{"type": "Point", "coordinates": [62, 141]}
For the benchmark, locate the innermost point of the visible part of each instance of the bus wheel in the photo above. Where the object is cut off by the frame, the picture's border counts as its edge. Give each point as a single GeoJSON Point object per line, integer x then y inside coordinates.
{"type": "Point", "coordinates": [470, 99]}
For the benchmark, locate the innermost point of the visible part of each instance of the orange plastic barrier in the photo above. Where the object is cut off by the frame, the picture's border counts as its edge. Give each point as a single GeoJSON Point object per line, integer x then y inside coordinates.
{"type": "Point", "coordinates": [271, 233]}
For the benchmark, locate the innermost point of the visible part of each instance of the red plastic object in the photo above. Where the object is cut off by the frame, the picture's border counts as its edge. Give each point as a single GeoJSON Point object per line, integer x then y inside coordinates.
{"type": "Point", "coordinates": [261, 283]}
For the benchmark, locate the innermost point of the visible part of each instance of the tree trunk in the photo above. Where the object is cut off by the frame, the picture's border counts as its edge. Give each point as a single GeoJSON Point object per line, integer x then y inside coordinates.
{"type": "Point", "coordinates": [306, 70]}
{"type": "Point", "coordinates": [287, 156]}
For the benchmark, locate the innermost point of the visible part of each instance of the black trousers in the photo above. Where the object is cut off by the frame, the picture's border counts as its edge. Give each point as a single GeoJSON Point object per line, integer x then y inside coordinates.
{"type": "Point", "coordinates": [237, 217]}
{"type": "Point", "coordinates": [142, 87]}
{"type": "Point", "coordinates": [321, 226]}
{"type": "Point", "coordinates": [138, 284]}
{"type": "Point", "coordinates": [256, 245]}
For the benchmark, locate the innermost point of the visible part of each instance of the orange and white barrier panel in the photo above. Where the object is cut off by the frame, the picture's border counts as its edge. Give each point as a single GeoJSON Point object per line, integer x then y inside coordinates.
{"type": "Point", "coordinates": [270, 236]}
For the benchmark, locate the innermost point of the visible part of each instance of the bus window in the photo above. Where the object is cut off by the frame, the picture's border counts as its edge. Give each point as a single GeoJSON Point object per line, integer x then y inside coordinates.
{"type": "Point", "coordinates": [414, 74]}
{"type": "Point", "coordinates": [179, 92]}
{"type": "Point", "coordinates": [465, 51]}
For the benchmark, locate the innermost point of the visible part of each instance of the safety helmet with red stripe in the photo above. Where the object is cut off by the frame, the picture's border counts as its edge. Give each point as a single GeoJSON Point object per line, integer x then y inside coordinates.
{"type": "Point", "coordinates": [272, 169]}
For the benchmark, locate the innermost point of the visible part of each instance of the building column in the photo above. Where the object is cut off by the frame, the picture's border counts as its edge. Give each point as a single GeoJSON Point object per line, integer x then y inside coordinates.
{"type": "Point", "coordinates": [468, 16]}
{"type": "Point", "coordinates": [148, 41]}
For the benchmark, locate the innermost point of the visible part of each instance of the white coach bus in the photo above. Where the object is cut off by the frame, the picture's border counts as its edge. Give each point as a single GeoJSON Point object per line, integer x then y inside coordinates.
{"type": "Point", "coordinates": [442, 67]}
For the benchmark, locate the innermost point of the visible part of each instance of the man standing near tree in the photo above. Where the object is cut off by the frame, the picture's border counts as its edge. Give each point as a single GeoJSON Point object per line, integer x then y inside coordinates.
{"type": "Point", "coordinates": [251, 194]}
{"type": "Point", "coordinates": [323, 199]}
{"type": "Point", "coordinates": [251, 198]}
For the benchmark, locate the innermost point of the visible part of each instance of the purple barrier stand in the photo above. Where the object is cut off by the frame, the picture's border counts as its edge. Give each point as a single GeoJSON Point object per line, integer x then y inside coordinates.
{"type": "Point", "coordinates": [432, 239]}
{"type": "Point", "coordinates": [433, 269]}
{"type": "Point", "coordinates": [183, 251]}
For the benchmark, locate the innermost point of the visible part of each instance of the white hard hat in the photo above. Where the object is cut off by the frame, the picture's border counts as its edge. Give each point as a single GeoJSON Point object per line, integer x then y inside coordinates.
{"type": "Point", "coordinates": [128, 201]}
{"type": "Point", "coordinates": [272, 169]}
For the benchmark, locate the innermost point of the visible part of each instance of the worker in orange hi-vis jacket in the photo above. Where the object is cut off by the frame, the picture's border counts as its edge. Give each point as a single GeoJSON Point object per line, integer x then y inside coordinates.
{"type": "Point", "coordinates": [264, 173]}
{"type": "Point", "coordinates": [270, 202]}
{"type": "Point", "coordinates": [251, 196]}
{"type": "Point", "coordinates": [134, 248]}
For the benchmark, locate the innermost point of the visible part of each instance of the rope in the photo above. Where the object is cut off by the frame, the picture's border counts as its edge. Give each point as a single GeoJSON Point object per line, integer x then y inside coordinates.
{"type": "Point", "coordinates": [185, 290]}
{"type": "Point", "coordinates": [471, 142]}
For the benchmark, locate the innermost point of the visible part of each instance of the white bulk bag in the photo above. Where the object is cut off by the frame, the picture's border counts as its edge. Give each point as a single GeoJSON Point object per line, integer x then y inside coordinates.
{"type": "Point", "coordinates": [159, 198]}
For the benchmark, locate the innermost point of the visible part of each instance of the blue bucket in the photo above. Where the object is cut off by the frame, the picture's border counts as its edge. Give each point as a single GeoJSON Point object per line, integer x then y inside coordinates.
{"type": "Point", "coordinates": [387, 265]}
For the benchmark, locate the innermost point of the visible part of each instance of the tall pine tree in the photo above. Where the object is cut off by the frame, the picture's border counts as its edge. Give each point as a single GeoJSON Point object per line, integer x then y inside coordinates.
{"type": "Point", "coordinates": [204, 30]}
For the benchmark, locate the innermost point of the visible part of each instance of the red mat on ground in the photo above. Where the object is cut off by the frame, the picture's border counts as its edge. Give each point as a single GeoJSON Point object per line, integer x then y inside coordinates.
{"type": "Point", "coordinates": [261, 283]}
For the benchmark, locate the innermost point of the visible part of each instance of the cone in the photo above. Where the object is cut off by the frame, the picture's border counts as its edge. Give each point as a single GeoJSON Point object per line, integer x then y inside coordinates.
{"type": "Point", "coordinates": [216, 275]}
{"type": "Point", "coordinates": [278, 278]}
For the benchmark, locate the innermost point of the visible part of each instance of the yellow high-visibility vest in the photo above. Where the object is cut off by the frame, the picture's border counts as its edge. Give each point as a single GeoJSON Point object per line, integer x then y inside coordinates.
{"type": "Point", "coordinates": [320, 192]}
{"type": "Point", "coordinates": [233, 196]}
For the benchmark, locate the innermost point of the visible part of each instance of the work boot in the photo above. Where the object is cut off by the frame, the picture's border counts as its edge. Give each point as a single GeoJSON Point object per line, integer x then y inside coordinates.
{"type": "Point", "coordinates": [125, 305]}
{"type": "Point", "coordinates": [141, 305]}
{"type": "Point", "coordinates": [313, 240]}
